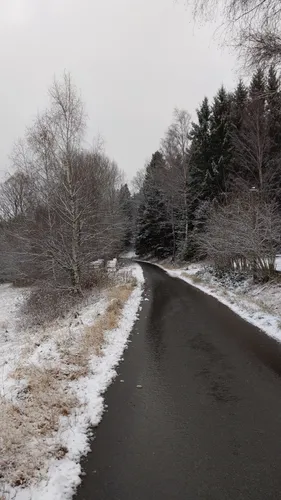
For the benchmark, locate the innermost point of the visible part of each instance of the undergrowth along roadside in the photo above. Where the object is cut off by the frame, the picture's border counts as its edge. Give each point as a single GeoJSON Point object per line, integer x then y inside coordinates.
{"type": "Point", "coordinates": [30, 423]}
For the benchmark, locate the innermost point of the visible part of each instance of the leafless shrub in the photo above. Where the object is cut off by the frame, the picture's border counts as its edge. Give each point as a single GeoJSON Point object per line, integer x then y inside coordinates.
{"type": "Point", "coordinates": [95, 278]}
{"type": "Point", "coordinates": [244, 234]}
{"type": "Point", "coordinates": [125, 276]}
{"type": "Point", "coordinates": [46, 304]}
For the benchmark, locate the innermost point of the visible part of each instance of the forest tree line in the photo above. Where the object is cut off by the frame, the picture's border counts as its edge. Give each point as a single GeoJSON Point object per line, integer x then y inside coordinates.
{"type": "Point", "coordinates": [213, 189]}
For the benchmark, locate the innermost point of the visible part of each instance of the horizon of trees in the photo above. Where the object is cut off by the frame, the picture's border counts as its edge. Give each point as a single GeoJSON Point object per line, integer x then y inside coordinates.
{"type": "Point", "coordinates": [212, 189]}
{"type": "Point", "coordinates": [230, 157]}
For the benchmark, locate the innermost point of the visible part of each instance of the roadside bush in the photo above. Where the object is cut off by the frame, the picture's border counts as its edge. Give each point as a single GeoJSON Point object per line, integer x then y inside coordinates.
{"type": "Point", "coordinates": [243, 235]}
{"type": "Point", "coordinates": [95, 278]}
{"type": "Point", "coordinates": [45, 304]}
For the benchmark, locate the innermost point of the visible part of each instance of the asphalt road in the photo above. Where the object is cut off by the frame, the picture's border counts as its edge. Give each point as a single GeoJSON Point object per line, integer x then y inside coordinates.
{"type": "Point", "coordinates": [206, 423]}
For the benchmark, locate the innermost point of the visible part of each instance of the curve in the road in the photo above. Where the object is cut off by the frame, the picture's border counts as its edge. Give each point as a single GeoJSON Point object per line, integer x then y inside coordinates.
{"type": "Point", "coordinates": [206, 423]}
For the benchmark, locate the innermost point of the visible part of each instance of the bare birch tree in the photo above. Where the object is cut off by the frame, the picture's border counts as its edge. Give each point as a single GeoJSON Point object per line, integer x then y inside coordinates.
{"type": "Point", "coordinates": [251, 147]}
{"type": "Point", "coordinates": [67, 198]}
{"type": "Point", "coordinates": [253, 24]}
{"type": "Point", "coordinates": [176, 177]}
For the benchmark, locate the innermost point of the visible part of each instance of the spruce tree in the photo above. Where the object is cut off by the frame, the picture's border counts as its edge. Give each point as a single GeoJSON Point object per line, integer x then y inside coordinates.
{"type": "Point", "coordinates": [273, 112]}
{"type": "Point", "coordinates": [239, 102]}
{"type": "Point", "coordinates": [220, 144]}
{"type": "Point", "coordinates": [200, 155]}
{"type": "Point", "coordinates": [257, 87]}
{"type": "Point", "coordinates": [200, 171]}
{"type": "Point", "coordinates": [154, 232]}
{"type": "Point", "coordinates": [273, 117]}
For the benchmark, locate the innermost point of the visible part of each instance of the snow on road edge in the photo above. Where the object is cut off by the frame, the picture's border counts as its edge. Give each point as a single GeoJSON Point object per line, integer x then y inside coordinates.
{"type": "Point", "coordinates": [64, 475]}
{"type": "Point", "coordinates": [268, 323]}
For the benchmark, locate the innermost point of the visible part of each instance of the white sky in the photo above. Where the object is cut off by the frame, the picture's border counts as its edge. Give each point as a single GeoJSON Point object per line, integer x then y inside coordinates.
{"type": "Point", "coordinates": [133, 60]}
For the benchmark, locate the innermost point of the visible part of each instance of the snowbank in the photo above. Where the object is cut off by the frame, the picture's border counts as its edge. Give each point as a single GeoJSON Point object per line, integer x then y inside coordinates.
{"type": "Point", "coordinates": [131, 254]}
{"type": "Point", "coordinates": [62, 475]}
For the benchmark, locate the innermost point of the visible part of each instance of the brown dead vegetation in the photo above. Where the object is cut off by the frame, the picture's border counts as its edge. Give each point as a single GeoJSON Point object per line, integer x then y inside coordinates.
{"type": "Point", "coordinates": [28, 425]}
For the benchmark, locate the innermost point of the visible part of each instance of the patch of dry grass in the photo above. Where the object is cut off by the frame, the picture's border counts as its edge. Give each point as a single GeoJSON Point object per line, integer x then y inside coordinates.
{"type": "Point", "coordinates": [27, 426]}
{"type": "Point", "coordinates": [170, 265]}
{"type": "Point", "coordinates": [91, 341]}
{"type": "Point", "coordinates": [266, 308]}
{"type": "Point", "coordinates": [185, 274]}
{"type": "Point", "coordinates": [193, 277]}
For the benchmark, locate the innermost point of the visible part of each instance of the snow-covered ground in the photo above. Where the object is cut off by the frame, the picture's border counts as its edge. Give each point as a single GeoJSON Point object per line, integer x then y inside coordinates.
{"type": "Point", "coordinates": [57, 453]}
{"type": "Point", "coordinates": [278, 263]}
{"type": "Point", "coordinates": [12, 340]}
{"type": "Point", "coordinates": [257, 304]}
{"type": "Point", "coordinates": [131, 254]}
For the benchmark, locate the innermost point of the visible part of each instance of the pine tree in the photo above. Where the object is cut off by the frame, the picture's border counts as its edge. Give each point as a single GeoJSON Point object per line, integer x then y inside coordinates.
{"type": "Point", "coordinates": [154, 232]}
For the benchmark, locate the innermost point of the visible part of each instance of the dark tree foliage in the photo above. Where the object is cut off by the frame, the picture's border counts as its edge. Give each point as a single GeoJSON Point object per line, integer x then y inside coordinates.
{"type": "Point", "coordinates": [238, 105]}
{"type": "Point", "coordinates": [274, 113]}
{"type": "Point", "coordinates": [200, 151]}
{"type": "Point", "coordinates": [239, 101]}
{"type": "Point", "coordinates": [220, 144]}
{"type": "Point", "coordinates": [126, 205]}
{"type": "Point", "coordinates": [154, 232]}
{"type": "Point", "coordinates": [273, 116]}
{"type": "Point", "coordinates": [234, 142]}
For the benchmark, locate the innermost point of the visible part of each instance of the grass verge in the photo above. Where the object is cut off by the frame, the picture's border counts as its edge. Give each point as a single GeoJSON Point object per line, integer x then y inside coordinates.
{"type": "Point", "coordinates": [29, 435]}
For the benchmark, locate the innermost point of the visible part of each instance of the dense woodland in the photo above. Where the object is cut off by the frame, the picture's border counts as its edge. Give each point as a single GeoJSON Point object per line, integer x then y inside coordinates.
{"type": "Point", "coordinates": [213, 189]}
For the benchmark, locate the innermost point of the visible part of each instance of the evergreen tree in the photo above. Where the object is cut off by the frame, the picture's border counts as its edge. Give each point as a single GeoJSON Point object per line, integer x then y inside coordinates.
{"type": "Point", "coordinates": [257, 88]}
{"type": "Point", "coordinates": [239, 102]}
{"type": "Point", "coordinates": [220, 144]}
{"type": "Point", "coordinates": [125, 201]}
{"type": "Point", "coordinates": [238, 105]}
{"type": "Point", "coordinates": [200, 172]}
{"type": "Point", "coordinates": [273, 107]}
{"type": "Point", "coordinates": [273, 116]}
{"type": "Point", "coordinates": [200, 153]}
{"type": "Point", "coordinates": [154, 232]}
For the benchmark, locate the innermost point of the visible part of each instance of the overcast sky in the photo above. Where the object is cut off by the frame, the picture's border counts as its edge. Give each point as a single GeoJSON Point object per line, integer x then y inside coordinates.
{"type": "Point", "coordinates": [133, 60]}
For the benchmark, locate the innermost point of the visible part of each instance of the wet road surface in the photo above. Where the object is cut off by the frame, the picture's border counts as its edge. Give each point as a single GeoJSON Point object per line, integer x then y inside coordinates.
{"type": "Point", "coordinates": [206, 423]}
